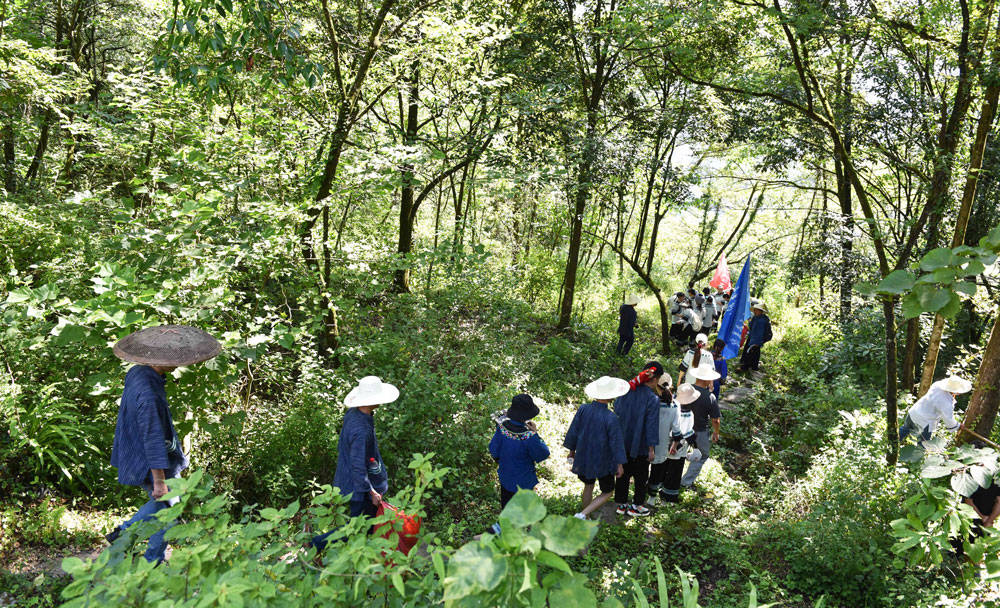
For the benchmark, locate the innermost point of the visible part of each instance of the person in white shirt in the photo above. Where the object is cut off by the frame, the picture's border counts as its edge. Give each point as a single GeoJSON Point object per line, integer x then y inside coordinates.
{"type": "Point", "coordinates": [938, 405]}
{"type": "Point", "coordinates": [708, 312]}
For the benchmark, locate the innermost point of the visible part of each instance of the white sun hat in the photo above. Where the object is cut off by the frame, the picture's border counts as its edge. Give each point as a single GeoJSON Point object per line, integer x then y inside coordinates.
{"type": "Point", "coordinates": [687, 393]}
{"type": "Point", "coordinates": [954, 384]}
{"type": "Point", "coordinates": [371, 391]}
{"type": "Point", "coordinates": [665, 381]}
{"type": "Point", "coordinates": [606, 387]}
{"type": "Point", "coordinates": [632, 300]}
{"type": "Point", "coordinates": [759, 306]}
{"type": "Point", "coordinates": [703, 373]}
{"type": "Point", "coordinates": [701, 339]}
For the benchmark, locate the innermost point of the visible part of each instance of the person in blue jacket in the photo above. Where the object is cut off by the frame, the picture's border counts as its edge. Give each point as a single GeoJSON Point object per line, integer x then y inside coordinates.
{"type": "Point", "coordinates": [721, 366]}
{"type": "Point", "coordinates": [627, 320]}
{"type": "Point", "coordinates": [146, 450]}
{"type": "Point", "coordinates": [361, 473]}
{"type": "Point", "coordinates": [517, 447]}
{"type": "Point", "coordinates": [758, 334]}
{"type": "Point", "coordinates": [595, 443]}
{"type": "Point", "coordinates": [639, 413]}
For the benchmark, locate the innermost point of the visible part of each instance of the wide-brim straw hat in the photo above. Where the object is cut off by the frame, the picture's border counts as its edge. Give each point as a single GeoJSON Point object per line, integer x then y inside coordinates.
{"type": "Point", "coordinates": [686, 394]}
{"type": "Point", "coordinates": [371, 391]}
{"type": "Point", "coordinates": [701, 339]}
{"type": "Point", "coordinates": [703, 373]}
{"type": "Point", "coordinates": [606, 387]}
{"type": "Point", "coordinates": [954, 384]}
{"type": "Point", "coordinates": [632, 300]}
{"type": "Point", "coordinates": [167, 346]}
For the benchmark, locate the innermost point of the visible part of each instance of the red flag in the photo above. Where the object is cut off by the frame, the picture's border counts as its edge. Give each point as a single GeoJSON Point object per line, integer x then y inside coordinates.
{"type": "Point", "coordinates": [721, 280]}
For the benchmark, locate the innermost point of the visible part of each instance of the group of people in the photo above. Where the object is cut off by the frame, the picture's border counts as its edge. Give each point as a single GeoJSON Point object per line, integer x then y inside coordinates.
{"type": "Point", "coordinates": [631, 439]}
{"type": "Point", "coordinates": [632, 435]}
{"type": "Point", "coordinates": [692, 312]}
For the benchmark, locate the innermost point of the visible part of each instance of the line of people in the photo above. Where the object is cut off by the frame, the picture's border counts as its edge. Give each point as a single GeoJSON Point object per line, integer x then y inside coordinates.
{"type": "Point", "coordinates": [632, 435]}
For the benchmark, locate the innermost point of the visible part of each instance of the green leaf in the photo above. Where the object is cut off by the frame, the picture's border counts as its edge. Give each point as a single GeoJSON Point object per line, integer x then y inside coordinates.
{"type": "Point", "coordinates": [524, 509]}
{"type": "Point", "coordinates": [567, 535]}
{"type": "Point", "coordinates": [992, 239]}
{"type": "Point", "coordinates": [935, 471]}
{"type": "Point", "coordinates": [965, 287]}
{"type": "Point", "coordinates": [943, 275]}
{"type": "Point", "coordinates": [954, 305]}
{"type": "Point", "coordinates": [964, 484]}
{"type": "Point", "coordinates": [552, 560]}
{"type": "Point", "coordinates": [911, 306]}
{"type": "Point", "coordinates": [897, 282]}
{"type": "Point", "coordinates": [942, 257]}
{"type": "Point", "coordinates": [473, 568]}
{"type": "Point", "coordinates": [911, 453]}
{"type": "Point", "coordinates": [974, 268]}
{"type": "Point", "coordinates": [397, 582]}
{"type": "Point", "coordinates": [573, 593]}
{"type": "Point", "coordinates": [933, 300]}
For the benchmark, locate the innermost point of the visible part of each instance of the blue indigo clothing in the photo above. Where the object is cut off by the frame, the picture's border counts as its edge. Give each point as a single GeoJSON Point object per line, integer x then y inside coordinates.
{"type": "Point", "coordinates": [639, 413]}
{"type": "Point", "coordinates": [516, 450]}
{"type": "Point", "coordinates": [624, 344]}
{"type": "Point", "coordinates": [637, 469]}
{"type": "Point", "coordinates": [703, 408]}
{"type": "Point", "coordinates": [596, 436]}
{"type": "Point", "coordinates": [759, 330]}
{"type": "Point", "coordinates": [145, 437]}
{"type": "Point", "coordinates": [627, 319]}
{"type": "Point", "coordinates": [157, 546]}
{"type": "Point", "coordinates": [722, 367]}
{"type": "Point", "coordinates": [359, 463]}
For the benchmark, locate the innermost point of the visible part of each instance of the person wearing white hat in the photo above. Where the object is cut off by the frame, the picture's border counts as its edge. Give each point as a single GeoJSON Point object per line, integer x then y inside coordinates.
{"type": "Point", "coordinates": [758, 334]}
{"type": "Point", "coordinates": [361, 473]}
{"type": "Point", "coordinates": [595, 443]}
{"type": "Point", "coordinates": [627, 320]}
{"type": "Point", "coordinates": [705, 410]}
{"type": "Point", "coordinates": [675, 426]}
{"type": "Point", "coordinates": [937, 405]}
{"type": "Point", "coordinates": [682, 444]}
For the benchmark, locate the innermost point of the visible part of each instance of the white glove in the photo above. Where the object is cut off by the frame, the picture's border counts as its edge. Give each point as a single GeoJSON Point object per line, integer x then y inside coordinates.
{"type": "Point", "coordinates": [693, 455]}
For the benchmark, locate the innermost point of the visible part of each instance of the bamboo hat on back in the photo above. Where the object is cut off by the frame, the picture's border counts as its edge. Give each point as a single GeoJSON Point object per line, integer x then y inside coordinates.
{"type": "Point", "coordinates": [167, 346]}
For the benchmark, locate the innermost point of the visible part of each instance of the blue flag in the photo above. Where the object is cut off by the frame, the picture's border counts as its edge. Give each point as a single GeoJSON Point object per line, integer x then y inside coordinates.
{"type": "Point", "coordinates": [737, 311]}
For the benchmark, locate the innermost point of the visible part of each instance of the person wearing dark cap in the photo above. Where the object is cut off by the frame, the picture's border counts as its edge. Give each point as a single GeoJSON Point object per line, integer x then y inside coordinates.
{"type": "Point", "coordinates": [517, 447]}
{"type": "Point", "coordinates": [639, 414]}
{"type": "Point", "coordinates": [146, 450]}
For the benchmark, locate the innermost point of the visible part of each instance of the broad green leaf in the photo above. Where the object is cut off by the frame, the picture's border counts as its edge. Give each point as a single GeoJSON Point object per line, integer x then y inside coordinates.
{"type": "Point", "coordinates": [964, 484]}
{"type": "Point", "coordinates": [573, 593]}
{"type": "Point", "coordinates": [552, 560]}
{"type": "Point", "coordinates": [965, 287]}
{"type": "Point", "coordinates": [910, 306]}
{"type": "Point", "coordinates": [942, 257]}
{"type": "Point", "coordinates": [911, 453]}
{"type": "Point", "coordinates": [524, 509]}
{"type": "Point", "coordinates": [935, 471]}
{"type": "Point", "coordinates": [933, 300]}
{"type": "Point", "coordinates": [954, 305]}
{"type": "Point", "coordinates": [473, 568]}
{"type": "Point", "coordinates": [973, 268]}
{"type": "Point", "coordinates": [897, 282]}
{"type": "Point", "coordinates": [567, 535]}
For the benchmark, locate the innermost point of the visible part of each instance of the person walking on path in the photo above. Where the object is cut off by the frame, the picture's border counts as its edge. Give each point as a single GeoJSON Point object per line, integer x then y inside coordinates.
{"type": "Point", "coordinates": [758, 334]}
{"type": "Point", "coordinates": [596, 444]}
{"type": "Point", "coordinates": [146, 450]}
{"type": "Point", "coordinates": [638, 411]}
{"type": "Point", "coordinates": [627, 320]}
{"type": "Point", "coordinates": [705, 409]}
{"type": "Point", "coordinates": [937, 405]}
{"type": "Point", "coordinates": [361, 473]}
{"type": "Point", "coordinates": [721, 366]}
{"type": "Point", "coordinates": [709, 311]}
{"type": "Point", "coordinates": [678, 324]}
{"type": "Point", "coordinates": [677, 425]}
{"type": "Point", "coordinates": [693, 356]}
{"type": "Point", "coordinates": [517, 447]}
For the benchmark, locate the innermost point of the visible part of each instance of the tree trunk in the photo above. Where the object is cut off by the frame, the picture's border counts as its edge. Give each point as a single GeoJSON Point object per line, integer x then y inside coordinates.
{"type": "Point", "coordinates": [982, 410]}
{"type": "Point", "coordinates": [407, 205]}
{"type": "Point", "coordinates": [891, 402]}
{"type": "Point", "coordinates": [961, 223]}
{"type": "Point", "coordinates": [43, 143]}
{"type": "Point", "coordinates": [581, 195]}
{"type": "Point", "coordinates": [910, 352]}
{"type": "Point", "coordinates": [9, 169]}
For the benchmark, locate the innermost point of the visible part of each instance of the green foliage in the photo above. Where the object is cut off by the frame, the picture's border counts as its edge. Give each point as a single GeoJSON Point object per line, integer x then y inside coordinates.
{"type": "Point", "coordinates": [944, 278]}
{"type": "Point", "coordinates": [45, 440]}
